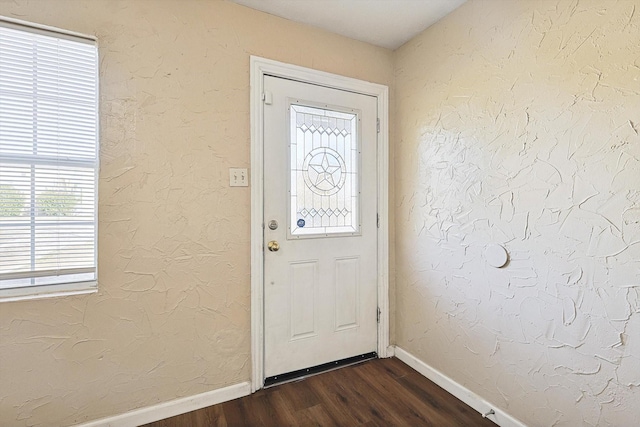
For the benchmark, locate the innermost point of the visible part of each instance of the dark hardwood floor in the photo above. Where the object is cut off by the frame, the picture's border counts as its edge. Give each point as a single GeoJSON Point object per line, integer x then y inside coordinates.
{"type": "Point", "coordinates": [382, 392]}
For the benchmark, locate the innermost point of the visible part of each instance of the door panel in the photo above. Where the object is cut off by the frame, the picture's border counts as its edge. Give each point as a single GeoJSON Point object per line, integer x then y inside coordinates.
{"type": "Point", "coordinates": [346, 292]}
{"type": "Point", "coordinates": [303, 285]}
{"type": "Point", "coordinates": [320, 187]}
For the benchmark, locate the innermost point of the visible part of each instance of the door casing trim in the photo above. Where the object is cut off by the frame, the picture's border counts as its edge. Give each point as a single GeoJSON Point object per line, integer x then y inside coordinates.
{"type": "Point", "coordinates": [259, 68]}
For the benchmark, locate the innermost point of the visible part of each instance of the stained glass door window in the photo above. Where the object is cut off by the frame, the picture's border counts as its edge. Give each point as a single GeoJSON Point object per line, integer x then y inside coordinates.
{"type": "Point", "coordinates": [324, 172]}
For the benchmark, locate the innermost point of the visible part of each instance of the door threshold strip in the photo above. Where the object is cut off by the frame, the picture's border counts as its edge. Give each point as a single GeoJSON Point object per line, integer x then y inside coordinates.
{"type": "Point", "coordinates": [314, 370]}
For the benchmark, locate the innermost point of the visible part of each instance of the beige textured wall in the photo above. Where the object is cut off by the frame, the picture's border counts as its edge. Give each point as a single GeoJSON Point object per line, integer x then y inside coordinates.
{"type": "Point", "coordinates": [171, 318]}
{"type": "Point", "coordinates": [518, 123]}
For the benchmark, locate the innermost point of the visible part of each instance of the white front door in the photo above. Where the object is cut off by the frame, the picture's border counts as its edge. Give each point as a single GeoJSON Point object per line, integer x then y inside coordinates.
{"type": "Point", "coordinates": [320, 288]}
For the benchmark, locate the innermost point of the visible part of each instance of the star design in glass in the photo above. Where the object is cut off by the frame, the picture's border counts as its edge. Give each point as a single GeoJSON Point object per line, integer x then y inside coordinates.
{"type": "Point", "coordinates": [325, 167]}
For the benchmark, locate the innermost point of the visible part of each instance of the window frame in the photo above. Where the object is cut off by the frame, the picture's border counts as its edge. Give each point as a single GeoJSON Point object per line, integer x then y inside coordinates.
{"type": "Point", "coordinates": [37, 291]}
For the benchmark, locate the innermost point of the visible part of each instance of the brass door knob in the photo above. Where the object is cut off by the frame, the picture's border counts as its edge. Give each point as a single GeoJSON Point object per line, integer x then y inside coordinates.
{"type": "Point", "coordinates": [273, 246]}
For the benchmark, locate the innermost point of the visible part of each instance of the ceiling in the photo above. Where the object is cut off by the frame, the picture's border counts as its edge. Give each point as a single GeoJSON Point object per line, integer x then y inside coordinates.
{"type": "Point", "coordinates": [386, 23]}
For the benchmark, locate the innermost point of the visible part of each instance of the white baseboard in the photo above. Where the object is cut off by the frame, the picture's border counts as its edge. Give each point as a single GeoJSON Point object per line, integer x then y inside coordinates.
{"type": "Point", "coordinates": [172, 408]}
{"type": "Point", "coordinates": [499, 416]}
{"type": "Point", "coordinates": [391, 351]}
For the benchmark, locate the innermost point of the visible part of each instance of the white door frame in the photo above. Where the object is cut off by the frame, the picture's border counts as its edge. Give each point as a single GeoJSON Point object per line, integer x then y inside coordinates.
{"type": "Point", "coordinates": [259, 68]}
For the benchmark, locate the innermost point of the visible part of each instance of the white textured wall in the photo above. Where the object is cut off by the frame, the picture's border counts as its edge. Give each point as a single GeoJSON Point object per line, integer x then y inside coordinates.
{"type": "Point", "coordinates": [171, 318]}
{"type": "Point", "coordinates": [518, 123]}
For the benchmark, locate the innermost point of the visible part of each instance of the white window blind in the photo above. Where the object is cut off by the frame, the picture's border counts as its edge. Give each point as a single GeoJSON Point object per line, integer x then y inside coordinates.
{"type": "Point", "coordinates": [48, 158]}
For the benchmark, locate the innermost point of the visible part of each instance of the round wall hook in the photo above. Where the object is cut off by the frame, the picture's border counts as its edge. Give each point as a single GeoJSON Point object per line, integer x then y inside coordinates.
{"type": "Point", "coordinates": [496, 255]}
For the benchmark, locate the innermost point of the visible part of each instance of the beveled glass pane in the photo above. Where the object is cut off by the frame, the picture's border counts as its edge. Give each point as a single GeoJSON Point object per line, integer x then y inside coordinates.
{"type": "Point", "coordinates": [324, 171]}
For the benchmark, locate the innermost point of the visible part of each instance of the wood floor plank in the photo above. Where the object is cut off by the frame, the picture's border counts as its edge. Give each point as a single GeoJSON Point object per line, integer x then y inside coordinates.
{"type": "Point", "coordinates": [210, 416]}
{"type": "Point", "coordinates": [396, 368]}
{"type": "Point", "coordinates": [316, 416]}
{"type": "Point", "coordinates": [239, 412]}
{"type": "Point", "coordinates": [377, 393]}
{"type": "Point", "coordinates": [433, 395]}
{"type": "Point", "coordinates": [265, 412]}
{"type": "Point", "coordinates": [277, 411]}
{"type": "Point", "coordinates": [412, 411]}
{"type": "Point", "coordinates": [373, 404]}
{"type": "Point", "coordinates": [335, 397]}
{"type": "Point", "coordinates": [300, 394]}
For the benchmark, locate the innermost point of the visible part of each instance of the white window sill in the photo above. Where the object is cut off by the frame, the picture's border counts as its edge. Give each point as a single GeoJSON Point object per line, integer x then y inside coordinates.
{"type": "Point", "coordinates": [48, 291]}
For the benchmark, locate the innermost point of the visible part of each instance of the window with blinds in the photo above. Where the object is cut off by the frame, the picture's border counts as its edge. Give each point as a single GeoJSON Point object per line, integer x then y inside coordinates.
{"type": "Point", "coordinates": [48, 160]}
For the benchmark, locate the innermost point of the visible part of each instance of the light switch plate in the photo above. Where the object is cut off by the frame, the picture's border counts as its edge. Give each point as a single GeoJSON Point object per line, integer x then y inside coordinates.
{"type": "Point", "coordinates": [238, 177]}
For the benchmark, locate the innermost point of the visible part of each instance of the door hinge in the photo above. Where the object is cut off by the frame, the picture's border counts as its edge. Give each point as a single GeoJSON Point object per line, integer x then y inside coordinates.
{"type": "Point", "coordinates": [267, 98]}
{"type": "Point", "coordinates": [378, 125]}
{"type": "Point", "coordinates": [378, 220]}
{"type": "Point", "coordinates": [378, 315]}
